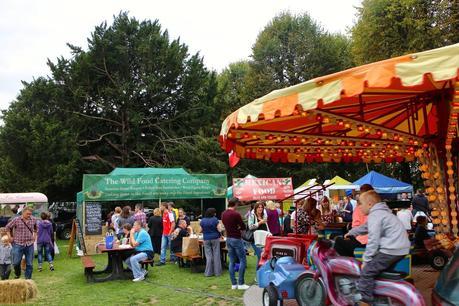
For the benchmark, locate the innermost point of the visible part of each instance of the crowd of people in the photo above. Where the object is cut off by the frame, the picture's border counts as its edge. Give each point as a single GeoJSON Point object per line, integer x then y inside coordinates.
{"type": "Point", "coordinates": [18, 238]}
{"type": "Point", "coordinates": [373, 227]}
{"type": "Point", "coordinates": [165, 229]}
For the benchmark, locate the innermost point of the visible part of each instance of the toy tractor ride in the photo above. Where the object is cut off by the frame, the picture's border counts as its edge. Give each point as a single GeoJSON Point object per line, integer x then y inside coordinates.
{"type": "Point", "coordinates": [287, 258]}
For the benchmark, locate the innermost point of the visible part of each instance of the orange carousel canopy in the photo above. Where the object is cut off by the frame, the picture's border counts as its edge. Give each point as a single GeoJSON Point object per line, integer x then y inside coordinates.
{"type": "Point", "coordinates": [380, 112]}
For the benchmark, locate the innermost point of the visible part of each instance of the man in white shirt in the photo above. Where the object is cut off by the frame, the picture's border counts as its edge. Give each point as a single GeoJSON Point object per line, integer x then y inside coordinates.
{"type": "Point", "coordinates": [406, 217]}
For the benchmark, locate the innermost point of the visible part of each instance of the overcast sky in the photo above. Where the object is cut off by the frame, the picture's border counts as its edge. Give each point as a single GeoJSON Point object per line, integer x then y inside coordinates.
{"type": "Point", "coordinates": [222, 31]}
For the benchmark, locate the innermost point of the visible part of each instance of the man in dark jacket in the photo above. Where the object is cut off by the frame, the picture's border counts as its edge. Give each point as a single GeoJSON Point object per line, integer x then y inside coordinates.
{"type": "Point", "coordinates": [287, 222]}
{"type": "Point", "coordinates": [420, 202]}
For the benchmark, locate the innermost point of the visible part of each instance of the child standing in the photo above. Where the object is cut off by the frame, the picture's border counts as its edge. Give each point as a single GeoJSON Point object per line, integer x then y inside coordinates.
{"type": "Point", "coordinates": [387, 242]}
{"type": "Point", "coordinates": [5, 258]}
{"type": "Point", "coordinates": [45, 241]}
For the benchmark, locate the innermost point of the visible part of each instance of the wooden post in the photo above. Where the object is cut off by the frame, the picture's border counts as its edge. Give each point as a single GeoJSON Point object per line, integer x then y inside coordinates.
{"type": "Point", "coordinates": [72, 239]}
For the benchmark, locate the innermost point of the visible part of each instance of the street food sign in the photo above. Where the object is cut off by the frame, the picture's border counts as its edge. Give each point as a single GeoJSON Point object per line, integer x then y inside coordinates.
{"type": "Point", "coordinates": [259, 189]}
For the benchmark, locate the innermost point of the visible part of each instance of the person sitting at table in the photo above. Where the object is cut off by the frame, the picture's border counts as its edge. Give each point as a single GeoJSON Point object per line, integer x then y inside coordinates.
{"type": "Point", "coordinates": [327, 214]}
{"type": "Point", "coordinates": [140, 240]}
{"type": "Point", "coordinates": [211, 229]}
{"type": "Point", "coordinates": [182, 216]}
{"type": "Point", "coordinates": [177, 236]}
{"type": "Point", "coordinates": [126, 232]}
{"type": "Point", "coordinates": [309, 218]}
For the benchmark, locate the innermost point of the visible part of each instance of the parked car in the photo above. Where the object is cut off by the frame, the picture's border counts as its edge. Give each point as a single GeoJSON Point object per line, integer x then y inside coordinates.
{"type": "Point", "coordinates": [446, 290]}
{"type": "Point", "coordinates": [63, 215]}
{"type": "Point", "coordinates": [64, 229]}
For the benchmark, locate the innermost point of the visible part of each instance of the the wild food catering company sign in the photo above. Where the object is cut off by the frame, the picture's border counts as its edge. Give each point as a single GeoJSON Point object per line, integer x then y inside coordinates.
{"type": "Point", "coordinates": [255, 189]}
{"type": "Point", "coordinates": [154, 186]}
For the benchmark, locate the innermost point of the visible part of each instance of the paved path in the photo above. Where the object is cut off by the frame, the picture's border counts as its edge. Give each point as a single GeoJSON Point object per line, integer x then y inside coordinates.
{"type": "Point", "coordinates": [424, 279]}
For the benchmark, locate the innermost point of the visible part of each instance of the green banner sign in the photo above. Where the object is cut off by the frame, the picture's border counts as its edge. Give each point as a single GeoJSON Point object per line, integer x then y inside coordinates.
{"type": "Point", "coordinates": [154, 186]}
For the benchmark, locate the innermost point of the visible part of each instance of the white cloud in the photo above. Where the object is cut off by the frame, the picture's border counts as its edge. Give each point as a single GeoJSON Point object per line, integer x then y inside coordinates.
{"type": "Point", "coordinates": [222, 31]}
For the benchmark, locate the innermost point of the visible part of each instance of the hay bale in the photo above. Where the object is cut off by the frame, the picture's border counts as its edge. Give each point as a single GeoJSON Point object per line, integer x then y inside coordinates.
{"type": "Point", "coordinates": [17, 291]}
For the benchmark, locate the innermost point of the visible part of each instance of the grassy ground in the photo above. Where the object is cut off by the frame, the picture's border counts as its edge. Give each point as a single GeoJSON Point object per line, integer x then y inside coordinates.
{"type": "Point", "coordinates": [165, 285]}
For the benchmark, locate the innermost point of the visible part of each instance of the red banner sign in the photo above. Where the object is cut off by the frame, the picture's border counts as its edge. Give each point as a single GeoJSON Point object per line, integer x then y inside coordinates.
{"type": "Point", "coordinates": [256, 189]}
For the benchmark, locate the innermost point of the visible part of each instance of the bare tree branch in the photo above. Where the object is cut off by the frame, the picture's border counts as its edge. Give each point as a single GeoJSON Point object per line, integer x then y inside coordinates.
{"type": "Point", "coordinates": [178, 116]}
{"type": "Point", "coordinates": [142, 158]}
{"type": "Point", "coordinates": [114, 146]}
{"type": "Point", "coordinates": [108, 73]}
{"type": "Point", "coordinates": [98, 158]}
{"type": "Point", "coordinates": [97, 118]}
{"type": "Point", "coordinates": [85, 142]}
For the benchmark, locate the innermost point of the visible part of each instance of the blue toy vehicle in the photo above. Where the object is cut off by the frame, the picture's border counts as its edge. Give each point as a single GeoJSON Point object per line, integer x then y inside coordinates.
{"type": "Point", "coordinates": [278, 277]}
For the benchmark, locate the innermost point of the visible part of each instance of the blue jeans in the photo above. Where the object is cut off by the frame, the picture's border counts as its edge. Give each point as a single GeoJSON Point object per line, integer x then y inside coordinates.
{"type": "Point", "coordinates": [46, 248]}
{"type": "Point", "coordinates": [18, 251]}
{"type": "Point", "coordinates": [166, 244]}
{"type": "Point", "coordinates": [236, 251]}
{"type": "Point", "coordinates": [133, 263]}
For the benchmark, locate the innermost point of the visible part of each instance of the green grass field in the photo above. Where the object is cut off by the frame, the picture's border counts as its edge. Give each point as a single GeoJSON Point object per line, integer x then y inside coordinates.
{"type": "Point", "coordinates": [165, 285]}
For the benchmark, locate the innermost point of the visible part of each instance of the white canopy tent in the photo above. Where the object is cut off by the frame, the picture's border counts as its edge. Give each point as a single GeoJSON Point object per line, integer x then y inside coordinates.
{"type": "Point", "coordinates": [310, 186]}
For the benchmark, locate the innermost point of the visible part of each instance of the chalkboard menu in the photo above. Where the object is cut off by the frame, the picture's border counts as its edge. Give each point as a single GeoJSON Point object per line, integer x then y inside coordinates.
{"type": "Point", "coordinates": [93, 218]}
{"type": "Point", "coordinates": [80, 236]}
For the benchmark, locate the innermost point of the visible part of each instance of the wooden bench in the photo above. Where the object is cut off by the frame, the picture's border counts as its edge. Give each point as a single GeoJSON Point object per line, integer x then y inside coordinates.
{"type": "Point", "coordinates": [194, 261]}
{"type": "Point", "coordinates": [146, 263]}
{"type": "Point", "coordinates": [89, 266]}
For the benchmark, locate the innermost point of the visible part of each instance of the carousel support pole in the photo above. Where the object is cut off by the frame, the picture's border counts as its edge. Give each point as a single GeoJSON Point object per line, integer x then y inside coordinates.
{"type": "Point", "coordinates": [433, 182]}
{"type": "Point", "coordinates": [451, 183]}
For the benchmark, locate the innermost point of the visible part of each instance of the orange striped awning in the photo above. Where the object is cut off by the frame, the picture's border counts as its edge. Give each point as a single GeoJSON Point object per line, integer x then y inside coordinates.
{"type": "Point", "coordinates": [380, 112]}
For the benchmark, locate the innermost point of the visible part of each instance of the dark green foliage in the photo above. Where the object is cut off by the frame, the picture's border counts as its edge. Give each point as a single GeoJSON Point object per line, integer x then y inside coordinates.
{"type": "Point", "coordinates": [292, 49]}
{"type": "Point", "coordinates": [38, 152]}
{"type": "Point", "coordinates": [134, 98]}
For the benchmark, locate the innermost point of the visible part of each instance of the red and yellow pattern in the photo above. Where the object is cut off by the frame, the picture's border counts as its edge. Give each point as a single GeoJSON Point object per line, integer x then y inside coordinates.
{"type": "Point", "coordinates": [380, 112]}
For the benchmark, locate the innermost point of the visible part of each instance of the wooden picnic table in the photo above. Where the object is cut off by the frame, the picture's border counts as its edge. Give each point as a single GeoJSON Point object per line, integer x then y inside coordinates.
{"type": "Point", "coordinates": [115, 268]}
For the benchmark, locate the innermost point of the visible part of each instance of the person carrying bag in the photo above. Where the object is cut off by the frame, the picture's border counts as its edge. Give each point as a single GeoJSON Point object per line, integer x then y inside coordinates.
{"type": "Point", "coordinates": [258, 220]}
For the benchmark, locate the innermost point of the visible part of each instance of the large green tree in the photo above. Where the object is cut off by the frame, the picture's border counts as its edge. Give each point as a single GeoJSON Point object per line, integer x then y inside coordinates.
{"type": "Point", "coordinates": [38, 144]}
{"type": "Point", "coordinates": [233, 91]}
{"type": "Point", "coordinates": [133, 97]}
{"type": "Point", "coordinates": [388, 28]}
{"type": "Point", "coordinates": [292, 49]}
{"type": "Point", "coordinates": [139, 92]}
